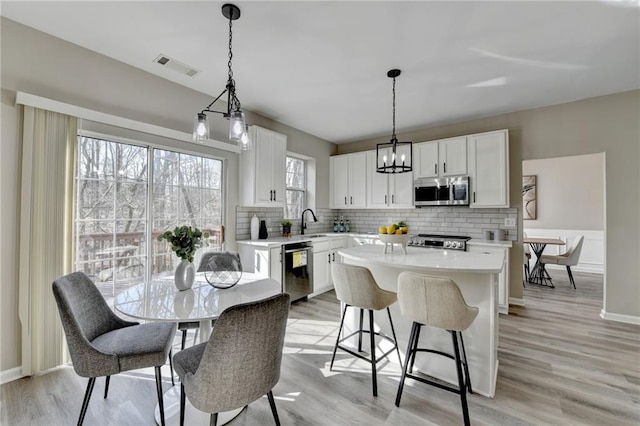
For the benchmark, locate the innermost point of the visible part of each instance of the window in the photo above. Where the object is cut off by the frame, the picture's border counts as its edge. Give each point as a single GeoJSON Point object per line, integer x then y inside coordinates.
{"type": "Point", "coordinates": [296, 187]}
{"type": "Point", "coordinates": [126, 196]}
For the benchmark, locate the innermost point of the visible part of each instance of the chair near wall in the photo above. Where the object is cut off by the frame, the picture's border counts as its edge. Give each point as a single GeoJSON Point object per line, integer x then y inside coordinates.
{"type": "Point", "coordinates": [436, 302]}
{"type": "Point", "coordinates": [356, 287]}
{"type": "Point", "coordinates": [239, 363]}
{"type": "Point", "coordinates": [568, 259]}
{"type": "Point", "coordinates": [101, 343]}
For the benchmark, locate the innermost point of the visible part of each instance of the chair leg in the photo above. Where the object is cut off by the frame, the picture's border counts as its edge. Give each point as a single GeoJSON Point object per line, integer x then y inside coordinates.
{"type": "Point", "coordinates": [360, 333]}
{"type": "Point", "coordinates": [335, 348]}
{"type": "Point", "coordinates": [160, 398]}
{"type": "Point", "coordinates": [184, 340]}
{"type": "Point", "coordinates": [461, 385]}
{"type": "Point", "coordinates": [414, 328]}
{"type": "Point", "coordinates": [85, 402]}
{"type": "Point", "coordinates": [393, 331]}
{"type": "Point", "coordinates": [171, 366]}
{"type": "Point", "coordinates": [571, 276]}
{"type": "Point", "coordinates": [213, 420]}
{"type": "Point", "coordinates": [372, 339]}
{"type": "Point", "coordinates": [272, 403]}
{"type": "Point", "coordinates": [182, 403]}
{"type": "Point", "coordinates": [465, 364]}
{"type": "Point", "coordinates": [106, 386]}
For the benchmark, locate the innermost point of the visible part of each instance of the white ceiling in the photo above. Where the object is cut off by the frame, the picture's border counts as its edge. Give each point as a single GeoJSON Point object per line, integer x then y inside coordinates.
{"type": "Point", "coordinates": [321, 66]}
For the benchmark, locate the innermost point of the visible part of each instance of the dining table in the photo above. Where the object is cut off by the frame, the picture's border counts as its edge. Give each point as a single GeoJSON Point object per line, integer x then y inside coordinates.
{"type": "Point", "coordinates": [539, 274]}
{"type": "Point", "coordinates": [160, 300]}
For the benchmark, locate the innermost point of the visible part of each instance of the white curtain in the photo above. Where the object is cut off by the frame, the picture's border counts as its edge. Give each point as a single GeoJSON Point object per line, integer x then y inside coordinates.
{"type": "Point", "coordinates": [46, 224]}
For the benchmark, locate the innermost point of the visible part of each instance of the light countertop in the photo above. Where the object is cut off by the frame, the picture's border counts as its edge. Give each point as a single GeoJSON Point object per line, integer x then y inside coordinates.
{"type": "Point", "coordinates": [428, 259]}
{"type": "Point", "coordinates": [278, 241]}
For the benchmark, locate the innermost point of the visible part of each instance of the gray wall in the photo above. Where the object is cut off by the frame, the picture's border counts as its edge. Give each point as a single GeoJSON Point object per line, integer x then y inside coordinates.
{"type": "Point", "coordinates": [607, 124]}
{"type": "Point", "coordinates": [570, 192]}
{"type": "Point", "coordinates": [42, 65]}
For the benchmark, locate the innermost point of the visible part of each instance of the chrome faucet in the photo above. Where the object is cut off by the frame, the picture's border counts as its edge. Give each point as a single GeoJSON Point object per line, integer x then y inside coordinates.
{"type": "Point", "coordinates": [304, 225]}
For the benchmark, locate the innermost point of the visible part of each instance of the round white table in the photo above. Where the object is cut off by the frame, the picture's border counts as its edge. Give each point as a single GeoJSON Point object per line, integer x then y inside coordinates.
{"type": "Point", "coordinates": [160, 300]}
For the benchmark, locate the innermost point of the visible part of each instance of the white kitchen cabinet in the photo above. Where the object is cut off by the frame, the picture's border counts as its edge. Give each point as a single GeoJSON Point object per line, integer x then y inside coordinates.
{"type": "Point", "coordinates": [262, 169]}
{"type": "Point", "coordinates": [263, 261]}
{"type": "Point", "coordinates": [446, 157]}
{"type": "Point", "coordinates": [489, 169]}
{"type": "Point", "coordinates": [386, 190]}
{"type": "Point", "coordinates": [503, 278]}
{"type": "Point", "coordinates": [325, 253]}
{"type": "Point", "coordinates": [348, 181]}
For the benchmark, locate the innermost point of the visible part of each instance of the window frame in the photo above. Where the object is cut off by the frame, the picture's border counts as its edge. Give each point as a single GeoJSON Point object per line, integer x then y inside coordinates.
{"type": "Point", "coordinates": [304, 191]}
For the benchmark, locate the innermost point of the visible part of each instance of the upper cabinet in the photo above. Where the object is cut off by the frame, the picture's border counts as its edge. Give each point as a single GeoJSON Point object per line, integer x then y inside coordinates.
{"type": "Point", "coordinates": [447, 157]}
{"type": "Point", "coordinates": [388, 190]}
{"type": "Point", "coordinates": [489, 169]}
{"type": "Point", "coordinates": [262, 169]}
{"type": "Point", "coordinates": [348, 181]}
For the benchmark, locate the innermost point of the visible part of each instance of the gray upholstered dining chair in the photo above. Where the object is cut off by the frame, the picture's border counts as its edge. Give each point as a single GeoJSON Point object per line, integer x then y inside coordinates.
{"type": "Point", "coordinates": [239, 363]}
{"type": "Point", "coordinates": [570, 258]}
{"type": "Point", "coordinates": [435, 302]}
{"type": "Point", "coordinates": [356, 287]}
{"type": "Point", "coordinates": [101, 343]}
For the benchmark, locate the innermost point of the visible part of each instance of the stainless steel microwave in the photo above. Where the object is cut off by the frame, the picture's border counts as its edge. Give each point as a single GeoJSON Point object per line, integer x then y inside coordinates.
{"type": "Point", "coordinates": [450, 191]}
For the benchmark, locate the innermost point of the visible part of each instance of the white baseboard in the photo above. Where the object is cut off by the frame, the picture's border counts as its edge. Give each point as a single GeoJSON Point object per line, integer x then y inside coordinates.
{"type": "Point", "coordinates": [619, 317]}
{"type": "Point", "coordinates": [592, 269]}
{"type": "Point", "coordinates": [516, 302]}
{"type": "Point", "coordinates": [10, 375]}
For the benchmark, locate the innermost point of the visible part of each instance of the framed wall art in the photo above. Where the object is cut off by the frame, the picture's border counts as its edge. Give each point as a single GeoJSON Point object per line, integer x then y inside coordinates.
{"type": "Point", "coordinates": [529, 197]}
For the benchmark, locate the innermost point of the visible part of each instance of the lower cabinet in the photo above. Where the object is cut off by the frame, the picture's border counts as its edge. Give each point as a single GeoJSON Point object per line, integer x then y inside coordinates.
{"type": "Point", "coordinates": [325, 253]}
{"type": "Point", "coordinates": [262, 260]}
{"type": "Point", "coordinates": [503, 278]}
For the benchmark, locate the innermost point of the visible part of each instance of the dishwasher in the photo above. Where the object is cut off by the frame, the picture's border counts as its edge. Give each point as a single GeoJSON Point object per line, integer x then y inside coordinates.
{"type": "Point", "coordinates": [297, 270]}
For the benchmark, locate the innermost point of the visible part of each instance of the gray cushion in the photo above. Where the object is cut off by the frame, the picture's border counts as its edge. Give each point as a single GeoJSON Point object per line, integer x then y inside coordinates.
{"type": "Point", "coordinates": [141, 346]}
{"type": "Point", "coordinates": [241, 361]}
{"type": "Point", "coordinates": [355, 286]}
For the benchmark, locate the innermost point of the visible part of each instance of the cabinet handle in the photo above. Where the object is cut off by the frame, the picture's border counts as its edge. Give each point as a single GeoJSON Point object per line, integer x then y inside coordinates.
{"type": "Point", "coordinates": [328, 258]}
{"type": "Point", "coordinates": [393, 199]}
{"type": "Point", "coordinates": [351, 200]}
{"type": "Point", "coordinates": [385, 199]}
{"type": "Point", "coordinates": [435, 168]}
{"type": "Point", "coordinates": [274, 195]}
{"type": "Point", "coordinates": [445, 167]}
{"type": "Point", "coordinates": [345, 201]}
{"type": "Point", "coordinates": [271, 195]}
{"type": "Point", "coordinates": [334, 256]}
{"type": "Point", "coordinates": [474, 196]}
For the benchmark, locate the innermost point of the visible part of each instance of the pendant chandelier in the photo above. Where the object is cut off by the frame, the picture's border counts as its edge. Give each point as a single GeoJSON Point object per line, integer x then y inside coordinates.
{"type": "Point", "coordinates": [387, 159]}
{"type": "Point", "coordinates": [238, 130]}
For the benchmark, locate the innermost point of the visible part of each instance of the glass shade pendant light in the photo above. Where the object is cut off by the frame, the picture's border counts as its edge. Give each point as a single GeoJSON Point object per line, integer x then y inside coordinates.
{"type": "Point", "coordinates": [394, 156]}
{"type": "Point", "coordinates": [238, 130]}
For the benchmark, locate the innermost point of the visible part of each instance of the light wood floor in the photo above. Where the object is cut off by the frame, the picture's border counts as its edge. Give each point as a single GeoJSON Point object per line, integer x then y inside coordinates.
{"type": "Point", "coordinates": [560, 363]}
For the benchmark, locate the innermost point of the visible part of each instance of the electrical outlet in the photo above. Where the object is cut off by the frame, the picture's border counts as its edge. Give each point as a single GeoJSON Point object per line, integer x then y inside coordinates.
{"type": "Point", "coordinates": [510, 222]}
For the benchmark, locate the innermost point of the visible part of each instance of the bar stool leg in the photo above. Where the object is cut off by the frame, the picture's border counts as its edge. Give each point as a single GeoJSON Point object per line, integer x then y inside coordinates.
{"type": "Point", "coordinates": [335, 348]}
{"type": "Point", "coordinates": [461, 385]}
{"type": "Point", "coordinates": [393, 331]}
{"type": "Point", "coordinates": [372, 338]}
{"type": "Point", "coordinates": [415, 328]}
{"type": "Point", "coordinates": [466, 364]}
{"type": "Point", "coordinates": [360, 332]}
{"type": "Point", "coordinates": [415, 349]}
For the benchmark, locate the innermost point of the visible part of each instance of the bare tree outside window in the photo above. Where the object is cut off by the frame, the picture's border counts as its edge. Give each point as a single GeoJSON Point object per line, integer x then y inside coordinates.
{"type": "Point", "coordinates": [295, 180]}
{"type": "Point", "coordinates": [114, 243]}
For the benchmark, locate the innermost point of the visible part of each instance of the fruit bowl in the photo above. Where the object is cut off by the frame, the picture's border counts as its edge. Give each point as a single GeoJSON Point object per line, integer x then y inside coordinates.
{"type": "Point", "coordinates": [393, 238]}
{"type": "Point", "coordinates": [390, 240]}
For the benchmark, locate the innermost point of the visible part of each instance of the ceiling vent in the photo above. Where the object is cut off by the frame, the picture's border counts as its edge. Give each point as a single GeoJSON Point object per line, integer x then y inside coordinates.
{"type": "Point", "coordinates": [176, 66]}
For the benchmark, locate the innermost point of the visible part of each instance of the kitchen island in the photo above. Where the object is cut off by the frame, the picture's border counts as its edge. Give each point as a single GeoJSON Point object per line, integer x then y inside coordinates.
{"type": "Point", "coordinates": [477, 277]}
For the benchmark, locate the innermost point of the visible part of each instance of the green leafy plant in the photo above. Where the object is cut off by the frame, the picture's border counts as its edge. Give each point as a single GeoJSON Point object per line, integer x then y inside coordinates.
{"type": "Point", "coordinates": [184, 241]}
{"type": "Point", "coordinates": [285, 223]}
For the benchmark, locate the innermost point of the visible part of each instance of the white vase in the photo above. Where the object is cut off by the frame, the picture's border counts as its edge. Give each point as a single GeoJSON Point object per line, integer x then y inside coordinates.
{"type": "Point", "coordinates": [255, 226]}
{"type": "Point", "coordinates": [185, 274]}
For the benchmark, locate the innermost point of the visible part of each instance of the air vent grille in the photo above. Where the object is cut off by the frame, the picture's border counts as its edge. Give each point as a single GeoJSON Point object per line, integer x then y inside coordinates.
{"type": "Point", "coordinates": [175, 65]}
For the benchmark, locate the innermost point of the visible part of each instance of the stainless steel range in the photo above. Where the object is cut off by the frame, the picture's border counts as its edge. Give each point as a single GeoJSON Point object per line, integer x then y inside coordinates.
{"type": "Point", "coordinates": [448, 242]}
